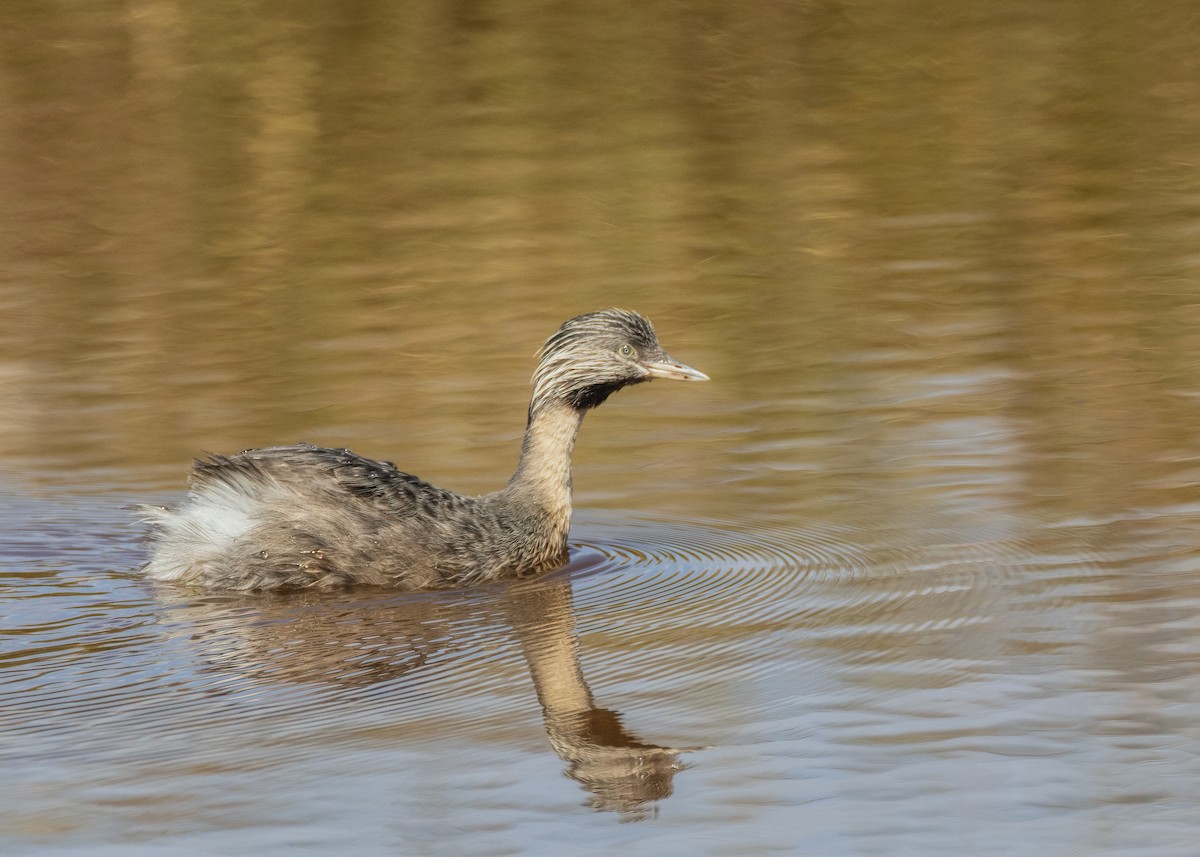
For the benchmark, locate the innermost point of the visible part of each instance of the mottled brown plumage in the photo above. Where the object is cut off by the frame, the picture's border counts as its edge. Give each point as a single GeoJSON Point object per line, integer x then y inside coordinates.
{"type": "Point", "coordinates": [308, 517]}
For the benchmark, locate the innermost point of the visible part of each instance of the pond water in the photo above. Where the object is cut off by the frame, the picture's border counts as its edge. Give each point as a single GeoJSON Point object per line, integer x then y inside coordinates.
{"type": "Point", "coordinates": [917, 573]}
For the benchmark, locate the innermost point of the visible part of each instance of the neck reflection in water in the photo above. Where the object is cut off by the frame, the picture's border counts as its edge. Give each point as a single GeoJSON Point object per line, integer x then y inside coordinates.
{"type": "Point", "coordinates": [358, 640]}
{"type": "Point", "coordinates": [622, 773]}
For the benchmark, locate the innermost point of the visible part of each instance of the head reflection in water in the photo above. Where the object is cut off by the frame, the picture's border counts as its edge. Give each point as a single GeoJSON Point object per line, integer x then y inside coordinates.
{"type": "Point", "coordinates": [622, 774]}
{"type": "Point", "coordinates": [345, 642]}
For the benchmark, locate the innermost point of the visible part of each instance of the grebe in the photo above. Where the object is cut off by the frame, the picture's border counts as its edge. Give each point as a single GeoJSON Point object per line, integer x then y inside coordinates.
{"type": "Point", "coordinates": [299, 517]}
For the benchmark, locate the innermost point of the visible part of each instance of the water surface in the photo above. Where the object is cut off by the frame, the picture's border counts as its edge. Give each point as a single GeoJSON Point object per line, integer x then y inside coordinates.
{"type": "Point", "coordinates": [915, 574]}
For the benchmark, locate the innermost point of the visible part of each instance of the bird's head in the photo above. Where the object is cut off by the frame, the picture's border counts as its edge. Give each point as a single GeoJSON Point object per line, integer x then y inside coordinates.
{"type": "Point", "coordinates": [592, 356]}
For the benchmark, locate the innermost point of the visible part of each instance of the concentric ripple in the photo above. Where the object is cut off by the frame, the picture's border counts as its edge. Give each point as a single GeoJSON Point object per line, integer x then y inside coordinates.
{"type": "Point", "coordinates": [706, 589]}
{"type": "Point", "coordinates": [778, 573]}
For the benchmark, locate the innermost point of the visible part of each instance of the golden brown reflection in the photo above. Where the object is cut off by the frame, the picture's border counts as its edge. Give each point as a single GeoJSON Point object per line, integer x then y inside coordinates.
{"type": "Point", "coordinates": [358, 642]}
{"type": "Point", "coordinates": [224, 227]}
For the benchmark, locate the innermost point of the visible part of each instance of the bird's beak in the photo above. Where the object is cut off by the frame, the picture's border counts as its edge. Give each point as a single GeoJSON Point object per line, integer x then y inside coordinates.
{"type": "Point", "coordinates": [674, 370]}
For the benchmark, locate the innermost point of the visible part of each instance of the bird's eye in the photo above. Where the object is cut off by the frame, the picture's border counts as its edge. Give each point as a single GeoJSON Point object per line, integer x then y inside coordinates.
{"type": "Point", "coordinates": [626, 350]}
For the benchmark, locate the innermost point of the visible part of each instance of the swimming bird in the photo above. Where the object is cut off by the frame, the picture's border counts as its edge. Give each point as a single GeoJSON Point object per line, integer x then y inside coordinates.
{"type": "Point", "coordinates": [306, 517]}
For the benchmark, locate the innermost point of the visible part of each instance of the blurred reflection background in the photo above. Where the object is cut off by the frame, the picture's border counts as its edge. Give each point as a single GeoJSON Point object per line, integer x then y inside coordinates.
{"type": "Point", "coordinates": [893, 232]}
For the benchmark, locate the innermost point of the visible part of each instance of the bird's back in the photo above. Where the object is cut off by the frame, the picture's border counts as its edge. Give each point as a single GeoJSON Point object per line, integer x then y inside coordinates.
{"type": "Point", "coordinates": [305, 517]}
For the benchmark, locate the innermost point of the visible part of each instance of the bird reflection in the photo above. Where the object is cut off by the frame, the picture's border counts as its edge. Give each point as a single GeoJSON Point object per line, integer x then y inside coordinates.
{"type": "Point", "coordinates": [623, 774]}
{"type": "Point", "coordinates": [357, 639]}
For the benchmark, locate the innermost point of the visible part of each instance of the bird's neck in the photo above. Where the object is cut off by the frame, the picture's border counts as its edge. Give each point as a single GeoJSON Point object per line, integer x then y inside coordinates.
{"type": "Point", "coordinates": [543, 476]}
